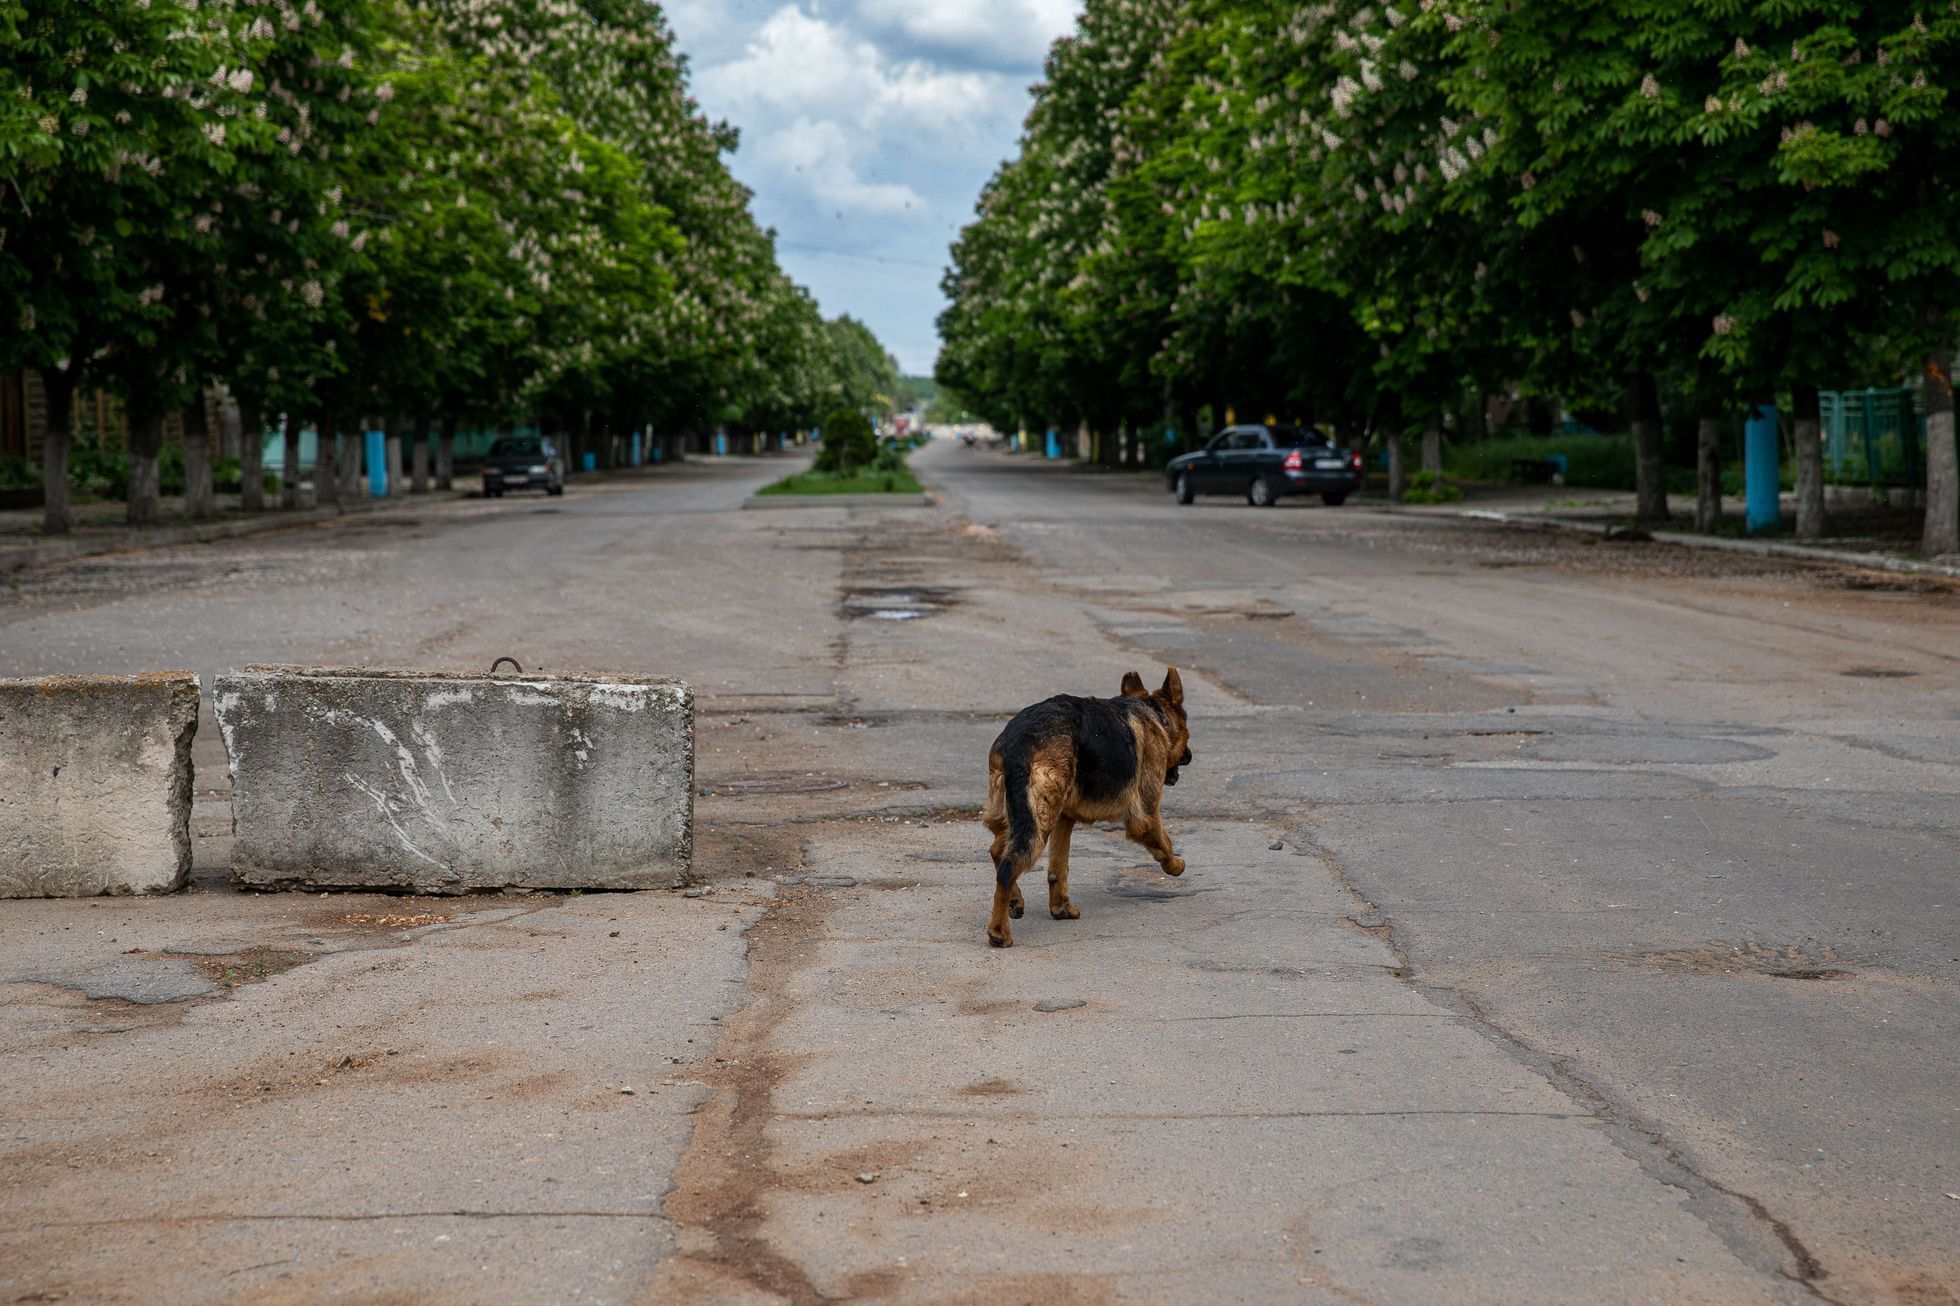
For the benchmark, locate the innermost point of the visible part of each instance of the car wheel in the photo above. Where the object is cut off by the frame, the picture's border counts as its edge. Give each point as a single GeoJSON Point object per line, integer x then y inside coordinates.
{"type": "Point", "coordinates": [1260, 493]}
{"type": "Point", "coordinates": [1184, 491]}
{"type": "Point", "coordinates": [1334, 500]}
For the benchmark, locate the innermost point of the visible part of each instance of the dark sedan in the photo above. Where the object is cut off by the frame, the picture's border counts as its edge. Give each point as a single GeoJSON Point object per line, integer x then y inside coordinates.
{"type": "Point", "coordinates": [523, 462]}
{"type": "Point", "coordinates": [1266, 463]}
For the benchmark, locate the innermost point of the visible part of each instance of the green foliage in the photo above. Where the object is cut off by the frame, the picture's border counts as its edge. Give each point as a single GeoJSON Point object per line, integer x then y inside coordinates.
{"type": "Point", "coordinates": [1603, 462]}
{"type": "Point", "coordinates": [486, 209]}
{"type": "Point", "coordinates": [848, 443]}
{"type": "Point", "coordinates": [866, 376]}
{"type": "Point", "coordinates": [96, 471]}
{"type": "Point", "coordinates": [1361, 212]}
{"type": "Point", "coordinates": [16, 473]}
{"type": "Point", "coordinates": [896, 479]}
{"type": "Point", "coordinates": [1428, 487]}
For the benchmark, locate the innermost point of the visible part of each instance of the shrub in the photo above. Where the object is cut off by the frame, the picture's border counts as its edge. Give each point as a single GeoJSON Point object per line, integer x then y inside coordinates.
{"type": "Point", "coordinates": [16, 473]}
{"type": "Point", "coordinates": [96, 471]}
{"type": "Point", "coordinates": [848, 443]}
{"type": "Point", "coordinates": [1602, 462]}
{"type": "Point", "coordinates": [1428, 487]}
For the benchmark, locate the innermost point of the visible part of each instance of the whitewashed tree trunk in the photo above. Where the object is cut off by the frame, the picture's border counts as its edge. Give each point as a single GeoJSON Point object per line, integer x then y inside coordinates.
{"type": "Point", "coordinates": [1942, 528]}
{"type": "Point", "coordinates": [1708, 473]}
{"type": "Point", "coordinates": [200, 499]}
{"type": "Point", "coordinates": [1807, 429]}
{"type": "Point", "coordinates": [58, 387]}
{"type": "Point", "coordinates": [327, 480]}
{"type": "Point", "coordinates": [251, 457]}
{"type": "Point", "coordinates": [145, 440]}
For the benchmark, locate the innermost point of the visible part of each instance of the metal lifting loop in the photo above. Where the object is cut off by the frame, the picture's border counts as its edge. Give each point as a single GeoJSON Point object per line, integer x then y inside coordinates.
{"type": "Point", "coordinates": [500, 661]}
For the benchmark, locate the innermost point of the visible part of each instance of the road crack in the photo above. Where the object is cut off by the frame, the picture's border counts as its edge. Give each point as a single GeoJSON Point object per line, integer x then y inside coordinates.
{"type": "Point", "coordinates": [1637, 1138]}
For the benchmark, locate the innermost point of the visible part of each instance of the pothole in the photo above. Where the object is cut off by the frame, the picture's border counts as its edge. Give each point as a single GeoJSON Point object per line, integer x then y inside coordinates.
{"type": "Point", "coordinates": [743, 786]}
{"type": "Point", "coordinates": [907, 603]}
{"type": "Point", "coordinates": [1807, 960]}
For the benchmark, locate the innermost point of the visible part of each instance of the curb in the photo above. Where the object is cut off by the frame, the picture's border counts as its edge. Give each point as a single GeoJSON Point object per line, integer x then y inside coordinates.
{"type": "Point", "coordinates": [20, 557]}
{"type": "Point", "coordinates": [773, 501]}
{"type": "Point", "coordinates": [1759, 548]}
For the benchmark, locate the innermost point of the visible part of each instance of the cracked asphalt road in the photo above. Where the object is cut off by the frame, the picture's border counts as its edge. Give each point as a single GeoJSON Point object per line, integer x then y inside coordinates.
{"type": "Point", "coordinates": [1607, 952]}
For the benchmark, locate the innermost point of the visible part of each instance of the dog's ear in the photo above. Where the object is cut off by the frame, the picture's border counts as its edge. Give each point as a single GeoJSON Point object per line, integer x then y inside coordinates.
{"type": "Point", "coordinates": [1133, 685]}
{"type": "Point", "coordinates": [1173, 690]}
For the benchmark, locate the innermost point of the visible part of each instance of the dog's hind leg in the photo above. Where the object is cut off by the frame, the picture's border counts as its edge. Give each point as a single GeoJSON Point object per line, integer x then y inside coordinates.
{"type": "Point", "coordinates": [1148, 830]}
{"type": "Point", "coordinates": [1008, 902]}
{"type": "Point", "coordinates": [1059, 905]}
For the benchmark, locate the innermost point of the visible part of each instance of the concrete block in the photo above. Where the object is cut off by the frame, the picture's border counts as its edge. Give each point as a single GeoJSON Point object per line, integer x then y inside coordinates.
{"type": "Point", "coordinates": [449, 783]}
{"type": "Point", "coordinates": [95, 784]}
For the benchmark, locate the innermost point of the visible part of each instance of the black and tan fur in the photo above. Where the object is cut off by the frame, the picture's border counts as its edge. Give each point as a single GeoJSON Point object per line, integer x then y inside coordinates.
{"type": "Point", "coordinates": [1069, 759]}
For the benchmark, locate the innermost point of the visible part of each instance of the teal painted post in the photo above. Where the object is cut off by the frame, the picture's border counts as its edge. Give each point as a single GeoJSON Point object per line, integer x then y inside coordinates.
{"type": "Point", "coordinates": [377, 461]}
{"type": "Point", "coordinates": [1761, 476]}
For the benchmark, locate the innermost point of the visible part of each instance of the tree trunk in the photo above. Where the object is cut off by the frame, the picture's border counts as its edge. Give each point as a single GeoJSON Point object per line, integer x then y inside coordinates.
{"type": "Point", "coordinates": [145, 440]}
{"type": "Point", "coordinates": [1942, 529]}
{"type": "Point", "coordinates": [1649, 453]}
{"type": "Point", "coordinates": [1807, 430]}
{"type": "Point", "coordinates": [200, 499]}
{"type": "Point", "coordinates": [353, 463]}
{"type": "Point", "coordinates": [251, 457]}
{"type": "Point", "coordinates": [1397, 475]}
{"type": "Point", "coordinates": [1539, 415]}
{"type": "Point", "coordinates": [289, 468]}
{"type": "Point", "coordinates": [326, 462]}
{"type": "Point", "coordinates": [392, 440]}
{"type": "Point", "coordinates": [419, 457]}
{"type": "Point", "coordinates": [59, 387]}
{"type": "Point", "coordinates": [1708, 472]}
{"type": "Point", "coordinates": [446, 456]}
{"type": "Point", "coordinates": [1432, 443]}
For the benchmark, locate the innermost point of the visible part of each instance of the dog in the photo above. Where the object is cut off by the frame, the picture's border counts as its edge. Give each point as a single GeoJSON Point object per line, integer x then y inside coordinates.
{"type": "Point", "coordinates": [1069, 759]}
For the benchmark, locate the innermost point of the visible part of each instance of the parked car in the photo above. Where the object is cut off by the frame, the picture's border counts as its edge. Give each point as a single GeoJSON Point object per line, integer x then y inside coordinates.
{"type": "Point", "coordinates": [1264, 463]}
{"type": "Point", "coordinates": [523, 462]}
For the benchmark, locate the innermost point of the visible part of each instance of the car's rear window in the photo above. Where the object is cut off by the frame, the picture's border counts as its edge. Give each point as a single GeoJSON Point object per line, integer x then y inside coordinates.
{"type": "Point", "coordinates": [1294, 437]}
{"type": "Point", "coordinates": [518, 447]}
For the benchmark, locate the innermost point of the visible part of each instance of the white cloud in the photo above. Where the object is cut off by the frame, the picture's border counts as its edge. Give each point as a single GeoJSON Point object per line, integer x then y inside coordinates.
{"type": "Point", "coordinates": [868, 128]}
{"type": "Point", "coordinates": [820, 154]}
{"type": "Point", "coordinates": [1002, 34]}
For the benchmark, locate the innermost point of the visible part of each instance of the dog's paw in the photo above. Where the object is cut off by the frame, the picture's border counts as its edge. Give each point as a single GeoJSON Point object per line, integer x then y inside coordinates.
{"type": "Point", "coordinates": [1068, 911]}
{"type": "Point", "coordinates": [1017, 909]}
{"type": "Point", "coordinates": [1175, 866]}
{"type": "Point", "coordinates": [1000, 940]}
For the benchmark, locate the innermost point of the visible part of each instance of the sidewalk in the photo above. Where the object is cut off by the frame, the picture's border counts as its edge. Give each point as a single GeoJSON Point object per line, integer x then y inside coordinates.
{"type": "Point", "coordinates": [1876, 543]}
{"type": "Point", "coordinates": [99, 528]}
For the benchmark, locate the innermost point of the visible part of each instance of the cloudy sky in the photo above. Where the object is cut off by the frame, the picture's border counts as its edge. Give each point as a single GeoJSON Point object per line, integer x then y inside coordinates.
{"type": "Point", "coordinates": [868, 127]}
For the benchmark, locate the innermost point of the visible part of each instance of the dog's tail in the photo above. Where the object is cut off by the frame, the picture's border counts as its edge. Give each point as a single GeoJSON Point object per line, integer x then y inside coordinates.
{"type": "Point", "coordinates": [1016, 772]}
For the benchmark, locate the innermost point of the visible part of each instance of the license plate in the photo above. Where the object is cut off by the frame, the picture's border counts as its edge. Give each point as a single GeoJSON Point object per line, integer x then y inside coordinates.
{"type": "Point", "coordinates": [515, 480]}
{"type": "Point", "coordinates": [1331, 464]}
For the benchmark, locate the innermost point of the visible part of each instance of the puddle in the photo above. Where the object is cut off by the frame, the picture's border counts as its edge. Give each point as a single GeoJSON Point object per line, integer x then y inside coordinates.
{"type": "Point", "coordinates": [896, 604]}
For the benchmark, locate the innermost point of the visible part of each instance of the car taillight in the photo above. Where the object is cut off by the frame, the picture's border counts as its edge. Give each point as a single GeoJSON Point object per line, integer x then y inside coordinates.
{"type": "Point", "coordinates": [1354, 460]}
{"type": "Point", "coordinates": [1294, 462]}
